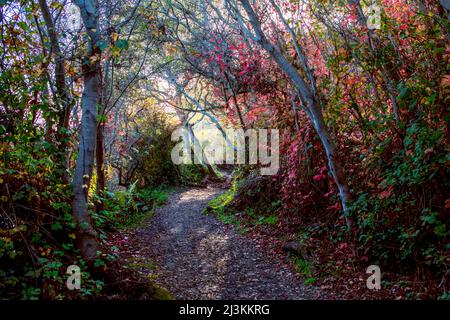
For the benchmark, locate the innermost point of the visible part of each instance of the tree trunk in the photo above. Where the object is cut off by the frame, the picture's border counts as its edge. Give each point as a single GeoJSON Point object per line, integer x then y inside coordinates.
{"type": "Point", "coordinates": [85, 162]}
{"type": "Point", "coordinates": [62, 93]}
{"type": "Point", "coordinates": [100, 161]}
{"type": "Point", "coordinates": [87, 236]}
{"type": "Point", "coordinates": [334, 162]}
{"type": "Point", "coordinates": [312, 109]}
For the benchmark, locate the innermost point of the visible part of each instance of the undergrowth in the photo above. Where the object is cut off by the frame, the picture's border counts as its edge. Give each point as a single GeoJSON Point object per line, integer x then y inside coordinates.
{"type": "Point", "coordinates": [129, 208]}
{"type": "Point", "coordinates": [223, 208]}
{"type": "Point", "coordinates": [34, 258]}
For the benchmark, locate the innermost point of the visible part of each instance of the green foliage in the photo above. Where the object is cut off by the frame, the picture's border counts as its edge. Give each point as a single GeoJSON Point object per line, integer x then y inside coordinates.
{"type": "Point", "coordinates": [271, 220]}
{"type": "Point", "coordinates": [37, 230]}
{"type": "Point", "coordinates": [219, 203]}
{"type": "Point", "coordinates": [191, 173]}
{"type": "Point", "coordinates": [129, 208]}
{"type": "Point", "coordinates": [304, 268]}
{"type": "Point", "coordinates": [222, 207]}
{"type": "Point", "coordinates": [255, 219]}
{"type": "Point", "coordinates": [148, 264]}
{"type": "Point", "coordinates": [157, 196]}
{"type": "Point", "coordinates": [150, 158]}
{"type": "Point", "coordinates": [444, 296]}
{"type": "Point", "coordinates": [219, 207]}
{"type": "Point", "coordinates": [408, 184]}
{"type": "Point", "coordinates": [384, 96]}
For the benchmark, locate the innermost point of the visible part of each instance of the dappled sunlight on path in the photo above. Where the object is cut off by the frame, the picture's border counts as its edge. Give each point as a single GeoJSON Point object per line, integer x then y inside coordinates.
{"type": "Point", "coordinates": [198, 257]}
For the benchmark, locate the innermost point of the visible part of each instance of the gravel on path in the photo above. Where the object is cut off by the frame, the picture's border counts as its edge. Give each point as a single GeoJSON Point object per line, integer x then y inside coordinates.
{"type": "Point", "coordinates": [198, 257]}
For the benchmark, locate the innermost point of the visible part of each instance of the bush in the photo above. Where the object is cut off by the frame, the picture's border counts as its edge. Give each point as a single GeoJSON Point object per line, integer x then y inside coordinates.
{"type": "Point", "coordinates": [37, 230]}
{"type": "Point", "coordinates": [149, 161]}
{"type": "Point", "coordinates": [129, 208]}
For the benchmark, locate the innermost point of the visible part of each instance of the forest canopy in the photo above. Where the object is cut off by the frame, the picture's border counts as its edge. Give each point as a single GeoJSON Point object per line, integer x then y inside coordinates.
{"type": "Point", "coordinates": [91, 92]}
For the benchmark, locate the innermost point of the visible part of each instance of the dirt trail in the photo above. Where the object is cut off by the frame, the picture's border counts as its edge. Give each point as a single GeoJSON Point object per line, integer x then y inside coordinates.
{"type": "Point", "coordinates": [198, 257]}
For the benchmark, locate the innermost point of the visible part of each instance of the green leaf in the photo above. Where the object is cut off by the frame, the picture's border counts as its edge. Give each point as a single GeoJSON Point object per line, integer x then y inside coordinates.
{"type": "Point", "coordinates": [57, 226]}
{"type": "Point", "coordinates": [102, 44]}
{"type": "Point", "coordinates": [440, 230]}
{"type": "Point", "coordinates": [23, 25]}
{"type": "Point", "coordinates": [122, 44]}
{"type": "Point", "coordinates": [430, 219]}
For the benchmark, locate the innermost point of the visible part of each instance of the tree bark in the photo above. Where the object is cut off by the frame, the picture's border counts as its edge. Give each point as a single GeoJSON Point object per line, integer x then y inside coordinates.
{"type": "Point", "coordinates": [62, 92]}
{"type": "Point", "coordinates": [87, 236]}
{"type": "Point", "coordinates": [100, 161]}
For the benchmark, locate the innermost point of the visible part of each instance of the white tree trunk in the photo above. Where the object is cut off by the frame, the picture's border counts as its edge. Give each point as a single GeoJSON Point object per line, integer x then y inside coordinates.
{"type": "Point", "coordinates": [312, 108]}
{"type": "Point", "coordinates": [87, 236]}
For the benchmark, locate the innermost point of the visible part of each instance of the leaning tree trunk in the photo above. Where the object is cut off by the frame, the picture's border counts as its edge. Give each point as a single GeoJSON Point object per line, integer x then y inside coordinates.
{"type": "Point", "coordinates": [312, 108]}
{"type": "Point", "coordinates": [100, 161]}
{"type": "Point", "coordinates": [334, 162]}
{"type": "Point", "coordinates": [87, 237]}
